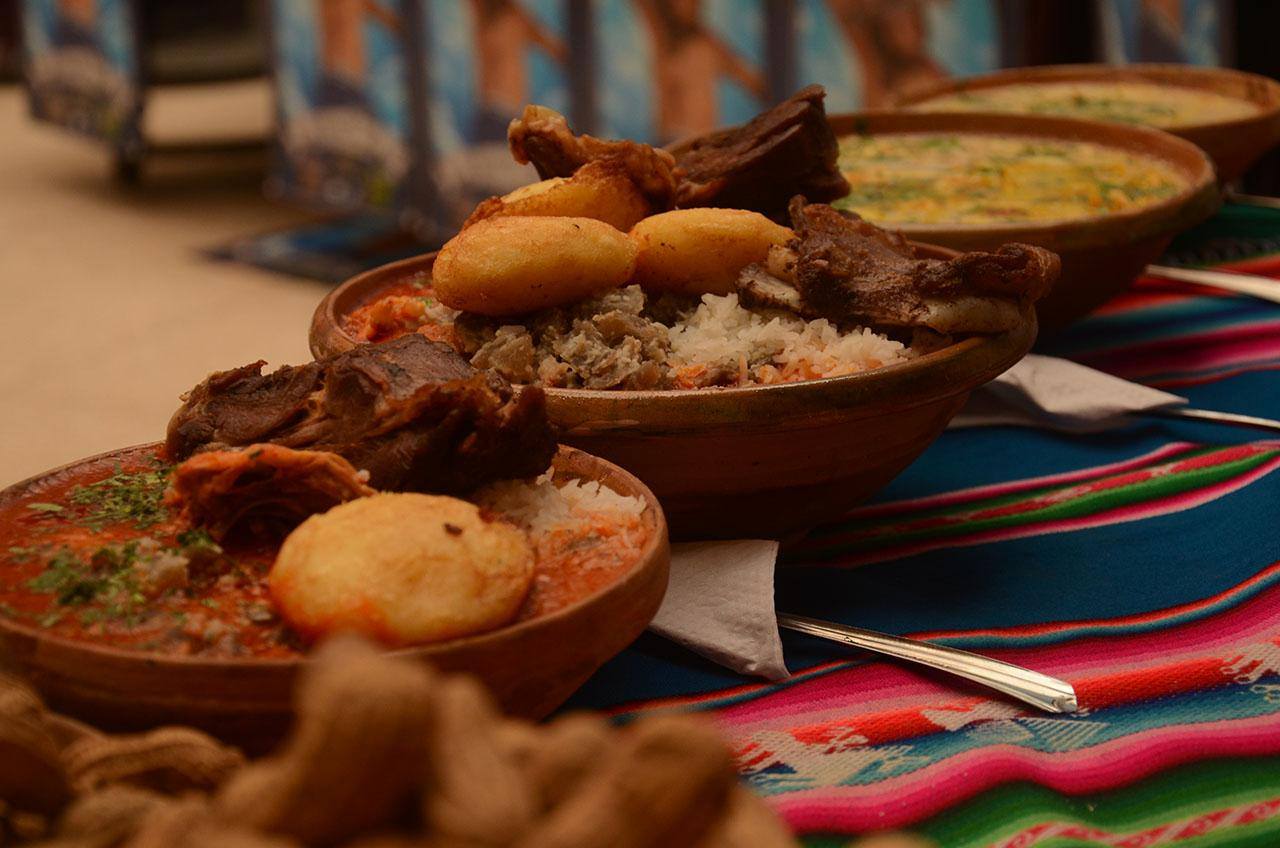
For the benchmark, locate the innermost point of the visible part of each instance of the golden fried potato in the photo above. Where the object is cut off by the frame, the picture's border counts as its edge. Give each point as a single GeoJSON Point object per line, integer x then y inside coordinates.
{"type": "Point", "coordinates": [518, 264]}
{"type": "Point", "coordinates": [403, 568]}
{"type": "Point", "coordinates": [601, 190]}
{"type": "Point", "coordinates": [701, 251]}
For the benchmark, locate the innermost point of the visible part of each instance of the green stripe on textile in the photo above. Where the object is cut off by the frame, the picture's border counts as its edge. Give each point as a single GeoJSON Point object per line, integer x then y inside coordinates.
{"type": "Point", "coordinates": [1014, 498]}
{"type": "Point", "coordinates": [1238, 232]}
{"type": "Point", "coordinates": [1177, 797]}
{"type": "Point", "coordinates": [1104, 500]}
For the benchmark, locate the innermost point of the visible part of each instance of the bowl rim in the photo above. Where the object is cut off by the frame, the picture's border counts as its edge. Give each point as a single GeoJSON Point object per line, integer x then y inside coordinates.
{"type": "Point", "coordinates": [981, 358]}
{"type": "Point", "coordinates": [1185, 76]}
{"type": "Point", "coordinates": [655, 553]}
{"type": "Point", "coordinates": [1198, 198]}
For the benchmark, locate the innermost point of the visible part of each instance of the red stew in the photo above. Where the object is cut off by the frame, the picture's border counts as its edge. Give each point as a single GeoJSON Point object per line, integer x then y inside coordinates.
{"type": "Point", "coordinates": [92, 554]}
{"type": "Point", "coordinates": [398, 310]}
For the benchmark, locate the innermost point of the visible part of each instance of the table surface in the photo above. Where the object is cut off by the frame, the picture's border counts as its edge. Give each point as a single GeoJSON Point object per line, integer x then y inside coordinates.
{"type": "Point", "coordinates": [1141, 564]}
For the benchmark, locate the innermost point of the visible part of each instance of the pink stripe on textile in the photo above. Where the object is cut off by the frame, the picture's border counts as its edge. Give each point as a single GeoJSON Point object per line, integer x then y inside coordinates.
{"type": "Point", "coordinates": [900, 801]}
{"type": "Point", "coordinates": [1210, 376]}
{"type": "Point", "coordinates": [1227, 346]}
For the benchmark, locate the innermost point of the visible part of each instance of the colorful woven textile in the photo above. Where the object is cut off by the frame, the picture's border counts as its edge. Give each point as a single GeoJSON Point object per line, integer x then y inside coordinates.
{"type": "Point", "coordinates": [1141, 564]}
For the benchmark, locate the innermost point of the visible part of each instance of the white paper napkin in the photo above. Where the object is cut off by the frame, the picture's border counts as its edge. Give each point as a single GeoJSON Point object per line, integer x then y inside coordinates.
{"type": "Point", "coordinates": [1045, 391]}
{"type": "Point", "coordinates": [719, 604]}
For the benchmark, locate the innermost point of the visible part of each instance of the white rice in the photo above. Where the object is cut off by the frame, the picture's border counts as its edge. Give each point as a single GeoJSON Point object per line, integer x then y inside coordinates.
{"type": "Point", "coordinates": [545, 504]}
{"type": "Point", "coordinates": [775, 346]}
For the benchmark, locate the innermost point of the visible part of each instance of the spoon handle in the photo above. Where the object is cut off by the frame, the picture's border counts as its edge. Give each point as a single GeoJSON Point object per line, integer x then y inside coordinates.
{"type": "Point", "coordinates": [1038, 690]}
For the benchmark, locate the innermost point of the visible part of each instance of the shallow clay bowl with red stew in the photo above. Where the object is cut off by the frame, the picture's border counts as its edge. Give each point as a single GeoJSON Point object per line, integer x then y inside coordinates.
{"type": "Point", "coordinates": [1233, 145]}
{"type": "Point", "coordinates": [531, 666]}
{"type": "Point", "coordinates": [755, 461]}
{"type": "Point", "coordinates": [1101, 255]}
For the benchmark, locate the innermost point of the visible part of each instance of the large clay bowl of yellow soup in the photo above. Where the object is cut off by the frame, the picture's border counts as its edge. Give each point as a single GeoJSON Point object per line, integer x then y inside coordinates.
{"type": "Point", "coordinates": [1234, 116]}
{"type": "Point", "coordinates": [757, 461]}
{"type": "Point", "coordinates": [213, 655]}
{"type": "Point", "coordinates": [1107, 198]}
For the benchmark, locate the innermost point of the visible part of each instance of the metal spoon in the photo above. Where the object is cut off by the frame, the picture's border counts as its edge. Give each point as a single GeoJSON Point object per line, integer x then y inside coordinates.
{"type": "Point", "coordinates": [1031, 687]}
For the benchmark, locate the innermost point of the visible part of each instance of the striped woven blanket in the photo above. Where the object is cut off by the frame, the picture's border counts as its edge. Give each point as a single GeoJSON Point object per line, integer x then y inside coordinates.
{"type": "Point", "coordinates": [1141, 564]}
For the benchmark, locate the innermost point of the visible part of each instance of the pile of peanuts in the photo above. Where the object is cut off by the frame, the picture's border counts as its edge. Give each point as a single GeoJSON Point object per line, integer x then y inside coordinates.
{"type": "Point", "coordinates": [385, 753]}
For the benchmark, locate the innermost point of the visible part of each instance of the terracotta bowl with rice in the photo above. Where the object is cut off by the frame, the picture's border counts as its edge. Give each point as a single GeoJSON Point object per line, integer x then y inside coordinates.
{"type": "Point", "coordinates": [743, 423]}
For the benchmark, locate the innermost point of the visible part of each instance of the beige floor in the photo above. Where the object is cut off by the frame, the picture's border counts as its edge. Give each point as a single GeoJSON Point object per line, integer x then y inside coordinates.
{"type": "Point", "coordinates": [107, 310]}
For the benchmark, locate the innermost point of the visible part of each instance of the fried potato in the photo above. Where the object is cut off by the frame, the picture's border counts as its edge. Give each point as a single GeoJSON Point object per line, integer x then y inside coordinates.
{"type": "Point", "coordinates": [601, 190]}
{"type": "Point", "coordinates": [701, 251]}
{"type": "Point", "coordinates": [518, 264]}
{"type": "Point", "coordinates": [403, 568]}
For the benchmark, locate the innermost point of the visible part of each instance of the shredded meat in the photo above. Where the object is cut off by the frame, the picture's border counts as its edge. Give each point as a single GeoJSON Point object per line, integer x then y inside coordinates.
{"type": "Point", "coordinates": [606, 342]}
{"type": "Point", "coordinates": [787, 150]}
{"type": "Point", "coordinates": [410, 411]}
{"type": "Point", "coordinates": [261, 485]}
{"type": "Point", "coordinates": [845, 269]}
{"type": "Point", "coordinates": [542, 136]}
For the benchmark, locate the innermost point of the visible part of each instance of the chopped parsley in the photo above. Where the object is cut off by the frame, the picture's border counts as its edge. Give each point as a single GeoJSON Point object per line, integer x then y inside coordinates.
{"type": "Point", "coordinates": [68, 578]}
{"type": "Point", "coordinates": [109, 577]}
{"type": "Point", "coordinates": [44, 507]}
{"type": "Point", "coordinates": [195, 539]}
{"type": "Point", "coordinates": [134, 496]}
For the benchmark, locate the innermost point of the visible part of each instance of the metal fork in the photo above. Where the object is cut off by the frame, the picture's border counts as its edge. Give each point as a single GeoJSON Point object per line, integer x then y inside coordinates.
{"type": "Point", "coordinates": [1232, 418]}
{"type": "Point", "coordinates": [1263, 288]}
{"type": "Point", "coordinates": [1031, 687]}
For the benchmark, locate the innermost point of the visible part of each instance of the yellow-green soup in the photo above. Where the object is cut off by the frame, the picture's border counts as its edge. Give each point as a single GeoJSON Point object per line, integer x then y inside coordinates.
{"type": "Point", "coordinates": [1146, 103]}
{"type": "Point", "coordinates": [943, 178]}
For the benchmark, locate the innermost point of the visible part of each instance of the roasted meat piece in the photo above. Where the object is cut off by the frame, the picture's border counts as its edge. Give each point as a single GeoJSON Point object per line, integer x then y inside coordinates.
{"type": "Point", "coordinates": [847, 270]}
{"type": "Point", "coordinates": [761, 165]}
{"type": "Point", "coordinates": [542, 136]}
{"type": "Point", "coordinates": [261, 485]}
{"type": "Point", "coordinates": [411, 412]}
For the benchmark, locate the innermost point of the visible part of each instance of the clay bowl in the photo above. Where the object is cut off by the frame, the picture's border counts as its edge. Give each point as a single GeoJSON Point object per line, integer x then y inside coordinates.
{"type": "Point", "coordinates": [1102, 255]}
{"type": "Point", "coordinates": [1233, 145]}
{"type": "Point", "coordinates": [531, 667]}
{"type": "Point", "coordinates": [752, 462]}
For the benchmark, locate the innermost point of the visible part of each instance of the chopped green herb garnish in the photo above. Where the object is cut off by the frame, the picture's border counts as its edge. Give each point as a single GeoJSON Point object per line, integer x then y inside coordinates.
{"type": "Point", "coordinates": [21, 554]}
{"type": "Point", "coordinates": [68, 578]}
{"type": "Point", "coordinates": [45, 507]}
{"type": "Point", "coordinates": [197, 539]}
{"type": "Point", "coordinates": [135, 497]}
{"type": "Point", "coordinates": [108, 577]}
{"type": "Point", "coordinates": [49, 619]}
